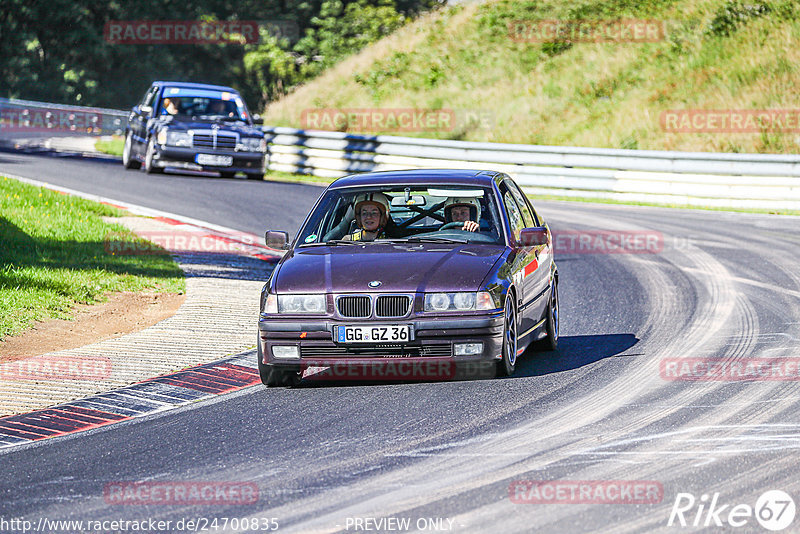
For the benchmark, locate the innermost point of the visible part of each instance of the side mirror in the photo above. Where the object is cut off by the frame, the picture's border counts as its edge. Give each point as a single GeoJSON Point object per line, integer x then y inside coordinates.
{"type": "Point", "coordinates": [277, 240]}
{"type": "Point", "coordinates": [531, 237]}
{"type": "Point", "coordinates": [257, 119]}
{"type": "Point", "coordinates": [146, 110]}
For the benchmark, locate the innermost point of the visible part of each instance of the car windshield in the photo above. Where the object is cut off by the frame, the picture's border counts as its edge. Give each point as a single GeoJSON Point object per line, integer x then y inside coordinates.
{"type": "Point", "coordinates": [207, 105]}
{"type": "Point", "coordinates": [422, 213]}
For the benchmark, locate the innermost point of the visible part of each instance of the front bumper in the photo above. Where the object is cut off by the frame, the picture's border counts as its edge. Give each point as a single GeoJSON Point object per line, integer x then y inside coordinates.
{"type": "Point", "coordinates": [429, 355]}
{"type": "Point", "coordinates": [184, 158]}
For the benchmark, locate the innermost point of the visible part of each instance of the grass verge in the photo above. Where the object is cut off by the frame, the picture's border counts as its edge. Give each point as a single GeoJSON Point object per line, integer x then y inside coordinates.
{"type": "Point", "coordinates": [111, 146]}
{"type": "Point", "coordinates": [53, 256]}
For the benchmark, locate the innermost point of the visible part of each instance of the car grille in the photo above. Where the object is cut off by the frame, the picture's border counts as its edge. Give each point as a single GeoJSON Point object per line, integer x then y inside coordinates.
{"type": "Point", "coordinates": [214, 141]}
{"type": "Point", "coordinates": [354, 306]}
{"type": "Point", "coordinates": [392, 306]}
{"type": "Point", "coordinates": [378, 351]}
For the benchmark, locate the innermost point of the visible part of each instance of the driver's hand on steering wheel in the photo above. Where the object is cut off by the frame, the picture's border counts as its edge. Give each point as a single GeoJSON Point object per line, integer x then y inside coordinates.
{"type": "Point", "coordinates": [470, 226]}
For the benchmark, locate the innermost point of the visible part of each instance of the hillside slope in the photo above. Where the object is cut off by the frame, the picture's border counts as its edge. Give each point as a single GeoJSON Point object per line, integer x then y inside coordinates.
{"type": "Point", "coordinates": [712, 55]}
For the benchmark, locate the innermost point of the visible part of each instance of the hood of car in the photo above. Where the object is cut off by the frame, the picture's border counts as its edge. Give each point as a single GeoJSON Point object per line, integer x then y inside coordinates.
{"type": "Point", "coordinates": [386, 268]}
{"type": "Point", "coordinates": [185, 125]}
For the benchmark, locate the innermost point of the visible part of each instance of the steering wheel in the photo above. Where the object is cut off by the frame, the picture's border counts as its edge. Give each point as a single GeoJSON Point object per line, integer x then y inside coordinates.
{"type": "Point", "coordinates": [451, 225]}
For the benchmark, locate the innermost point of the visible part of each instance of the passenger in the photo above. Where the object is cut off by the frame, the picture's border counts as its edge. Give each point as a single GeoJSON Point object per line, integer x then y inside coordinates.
{"type": "Point", "coordinates": [466, 210]}
{"type": "Point", "coordinates": [372, 215]}
{"type": "Point", "coordinates": [217, 107]}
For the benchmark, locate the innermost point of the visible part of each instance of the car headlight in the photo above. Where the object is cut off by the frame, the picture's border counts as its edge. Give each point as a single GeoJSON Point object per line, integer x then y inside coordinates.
{"type": "Point", "coordinates": [178, 138]}
{"type": "Point", "coordinates": [252, 144]}
{"type": "Point", "coordinates": [481, 300]}
{"type": "Point", "coordinates": [300, 303]}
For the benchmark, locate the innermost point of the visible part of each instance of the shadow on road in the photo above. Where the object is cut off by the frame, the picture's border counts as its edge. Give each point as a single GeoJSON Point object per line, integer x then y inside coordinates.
{"type": "Point", "coordinates": [574, 352]}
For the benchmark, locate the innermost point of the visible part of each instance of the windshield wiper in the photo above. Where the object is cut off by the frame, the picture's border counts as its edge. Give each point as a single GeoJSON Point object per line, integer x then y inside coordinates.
{"type": "Point", "coordinates": [332, 242]}
{"type": "Point", "coordinates": [433, 239]}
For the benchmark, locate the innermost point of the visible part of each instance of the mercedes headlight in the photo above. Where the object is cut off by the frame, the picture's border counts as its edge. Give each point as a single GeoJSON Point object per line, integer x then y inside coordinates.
{"type": "Point", "coordinates": [301, 304]}
{"type": "Point", "coordinates": [177, 138]}
{"type": "Point", "coordinates": [252, 144]}
{"type": "Point", "coordinates": [438, 302]}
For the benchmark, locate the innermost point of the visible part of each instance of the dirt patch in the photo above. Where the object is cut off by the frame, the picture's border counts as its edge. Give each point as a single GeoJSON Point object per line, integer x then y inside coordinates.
{"type": "Point", "coordinates": [123, 313]}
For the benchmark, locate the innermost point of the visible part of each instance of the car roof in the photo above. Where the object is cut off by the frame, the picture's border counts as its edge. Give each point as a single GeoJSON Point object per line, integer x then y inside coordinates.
{"type": "Point", "coordinates": [190, 85]}
{"type": "Point", "coordinates": [481, 178]}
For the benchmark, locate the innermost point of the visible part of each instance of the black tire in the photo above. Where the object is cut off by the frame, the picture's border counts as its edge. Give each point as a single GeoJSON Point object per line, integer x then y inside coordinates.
{"type": "Point", "coordinates": [128, 161]}
{"type": "Point", "coordinates": [149, 164]}
{"type": "Point", "coordinates": [272, 376]}
{"type": "Point", "coordinates": [227, 174]}
{"type": "Point", "coordinates": [507, 364]}
{"type": "Point", "coordinates": [255, 175]}
{"type": "Point", "coordinates": [550, 343]}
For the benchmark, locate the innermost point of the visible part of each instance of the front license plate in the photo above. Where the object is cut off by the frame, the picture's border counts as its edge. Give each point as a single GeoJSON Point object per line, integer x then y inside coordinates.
{"type": "Point", "coordinates": [214, 159]}
{"type": "Point", "coordinates": [376, 333]}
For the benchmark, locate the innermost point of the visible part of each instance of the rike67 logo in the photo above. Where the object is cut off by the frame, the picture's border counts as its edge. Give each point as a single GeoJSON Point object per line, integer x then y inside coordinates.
{"type": "Point", "coordinates": [774, 510]}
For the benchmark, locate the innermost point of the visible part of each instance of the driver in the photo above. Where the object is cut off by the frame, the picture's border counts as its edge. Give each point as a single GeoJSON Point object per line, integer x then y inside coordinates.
{"type": "Point", "coordinates": [170, 106]}
{"type": "Point", "coordinates": [372, 215]}
{"type": "Point", "coordinates": [466, 210]}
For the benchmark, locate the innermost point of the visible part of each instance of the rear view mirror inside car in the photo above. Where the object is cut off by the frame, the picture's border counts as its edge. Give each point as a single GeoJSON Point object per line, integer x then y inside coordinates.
{"type": "Point", "coordinates": [413, 200]}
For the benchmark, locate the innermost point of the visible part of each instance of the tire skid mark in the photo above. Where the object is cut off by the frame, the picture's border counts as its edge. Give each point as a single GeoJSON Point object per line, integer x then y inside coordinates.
{"type": "Point", "coordinates": [724, 314]}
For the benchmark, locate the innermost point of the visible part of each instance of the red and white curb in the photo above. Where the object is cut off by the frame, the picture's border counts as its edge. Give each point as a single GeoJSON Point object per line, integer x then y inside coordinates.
{"type": "Point", "coordinates": [154, 395]}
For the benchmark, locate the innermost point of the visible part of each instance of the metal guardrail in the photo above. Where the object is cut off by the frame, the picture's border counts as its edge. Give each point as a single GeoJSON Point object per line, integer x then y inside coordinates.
{"type": "Point", "coordinates": [762, 181]}
{"type": "Point", "coordinates": [30, 119]}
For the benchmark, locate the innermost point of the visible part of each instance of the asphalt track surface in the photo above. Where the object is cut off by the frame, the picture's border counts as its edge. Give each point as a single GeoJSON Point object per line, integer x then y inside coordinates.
{"type": "Point", "coordinates": [724, 286]}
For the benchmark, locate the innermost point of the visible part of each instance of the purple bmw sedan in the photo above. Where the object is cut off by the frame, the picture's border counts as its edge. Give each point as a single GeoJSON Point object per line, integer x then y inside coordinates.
{"type": "Point", "coordinates": [410, 275]}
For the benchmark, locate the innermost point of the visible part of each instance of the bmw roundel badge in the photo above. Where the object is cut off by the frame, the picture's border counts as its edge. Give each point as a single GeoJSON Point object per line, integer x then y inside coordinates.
{"type": "Point", "coordinates": [375, 283]}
